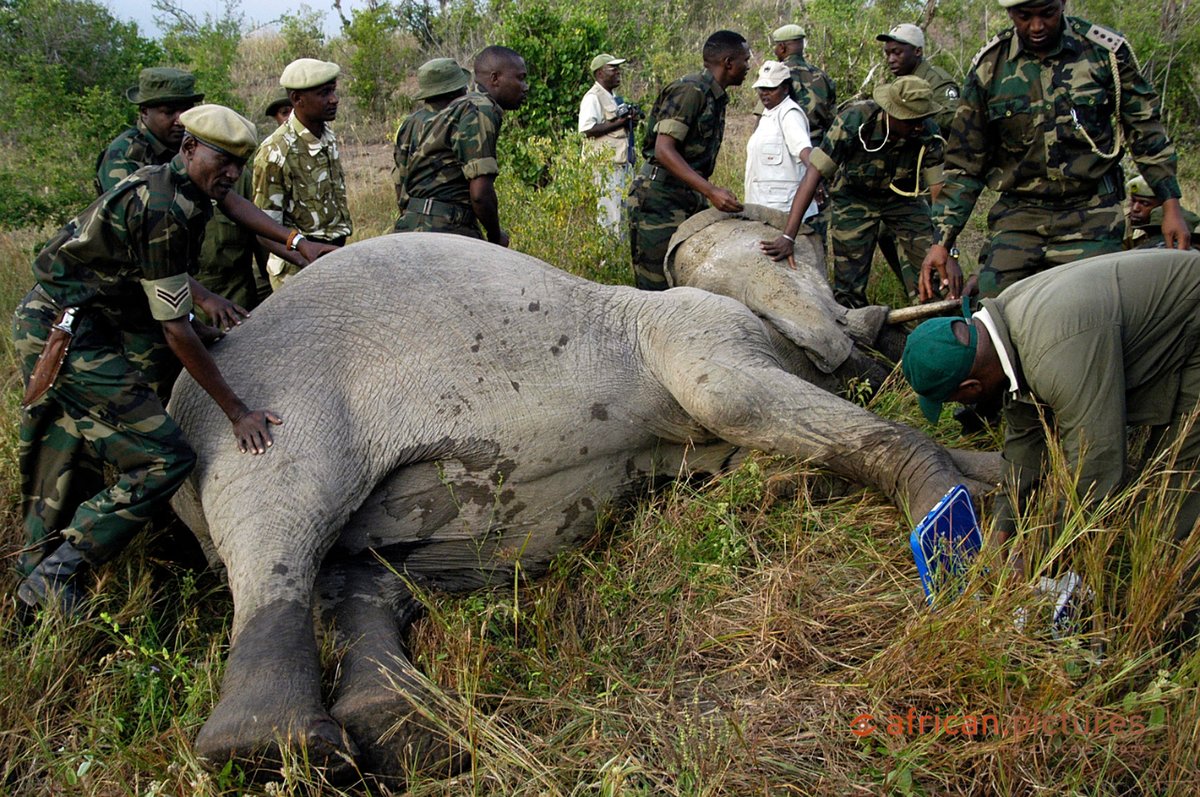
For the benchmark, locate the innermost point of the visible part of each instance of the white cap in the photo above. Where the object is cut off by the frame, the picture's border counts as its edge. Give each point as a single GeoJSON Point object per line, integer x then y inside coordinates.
{"type": "Point", "coordinates": [771, 74]}
{"type": "Point", "coordinates": [905, 34]}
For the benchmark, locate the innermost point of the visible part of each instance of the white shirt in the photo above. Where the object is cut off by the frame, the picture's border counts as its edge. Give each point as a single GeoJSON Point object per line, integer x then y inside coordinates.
{"type": "Point", "coordinates": [773, 165]}
{"type": "Point", "coordinates": [599, 105]}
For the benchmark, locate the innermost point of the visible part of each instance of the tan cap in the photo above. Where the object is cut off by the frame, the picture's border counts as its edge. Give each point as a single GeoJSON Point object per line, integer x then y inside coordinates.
{"type": "Point", "coordinates": [771, 74]}
{"type": "Point", "coordinates": [603, 60]}
{"type": "Point", "coordinates": [162, 84]}
{"type": "Point", "coordinates": [787, 33]}
{"type": "Point", "coordinates": [905, 34]}
{"type": "Point", "coordinates": [1139, 187]}
{"type": "Point", "coordinates": [908, 97]}
{"type": "Point", "coordinates": [221, 128]}
{"type": "Point", "coordinates": [307, 73]}
{"type": "Point", "coordinates": [440, 76]}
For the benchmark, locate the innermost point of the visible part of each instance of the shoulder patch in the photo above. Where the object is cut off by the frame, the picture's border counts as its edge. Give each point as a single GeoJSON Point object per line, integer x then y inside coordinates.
{"type": "Point", "coordinates": [1002, 36]}
{"type": "Point", "coordinates": [1108, 39]}
{"type": "Point", "coordinates": [951, 93]}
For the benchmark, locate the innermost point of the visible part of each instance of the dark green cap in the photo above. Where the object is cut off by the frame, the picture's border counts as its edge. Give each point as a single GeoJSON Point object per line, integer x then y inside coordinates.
{"type": "Point", "coordinates": [279, 99]}
{"type": "Point", "coordinates": [935, 362]}
{"type": "Point", "coordinates": [162, 84]}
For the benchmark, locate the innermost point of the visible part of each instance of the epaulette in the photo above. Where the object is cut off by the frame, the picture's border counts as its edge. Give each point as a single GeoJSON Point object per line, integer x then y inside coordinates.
{"type": "Point", "coordinates": [1002, 36]}
{"type": "Point", "coordinates": [1108, 39]}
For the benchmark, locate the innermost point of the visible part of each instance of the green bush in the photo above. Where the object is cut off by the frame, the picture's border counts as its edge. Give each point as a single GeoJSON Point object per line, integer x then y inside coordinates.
{"type": "Point", "coordinates": [303, 33]}
{"type": "Point", "coordinates": [207, 47]}
{"type": "Point", "coordinates": [376, 63]}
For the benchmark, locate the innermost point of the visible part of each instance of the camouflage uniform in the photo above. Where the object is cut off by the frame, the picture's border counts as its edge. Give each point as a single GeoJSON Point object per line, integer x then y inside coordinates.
{"type": "Point", "coordinates": [692, 111]}
{"type": "Point", "coordinates": [815, 92]}
{"type": "Point", "coordinates": [299, 182]}
{"type": "Point", "coordinates": [128, 152]}
{"type": "Point", "coordinates": [459, 144]}
{"type": "Point", "coordinates": [864, 192]}
{"type": "Point", "coordinates": [1149, 235]}
{"type": "Point", "coordinates": [408, 135]}
{"type": "Point", "coordinates": [1015, 132]}
{"type": "Point", "coordinates": [124, 264]}
{"type": "Point", "coordinates": [945, 92]}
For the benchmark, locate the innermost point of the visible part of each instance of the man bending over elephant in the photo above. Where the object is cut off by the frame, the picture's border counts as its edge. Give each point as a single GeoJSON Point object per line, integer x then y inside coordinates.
{"type": "Point", "coordinates": [1095, 346]}
{"type": "Point", "coordinates": [113, 292]}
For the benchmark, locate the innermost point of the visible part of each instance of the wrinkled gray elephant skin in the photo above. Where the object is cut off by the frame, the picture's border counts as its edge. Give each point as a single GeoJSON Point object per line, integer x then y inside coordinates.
{"type": "Point", "coordinates": [451, 409]}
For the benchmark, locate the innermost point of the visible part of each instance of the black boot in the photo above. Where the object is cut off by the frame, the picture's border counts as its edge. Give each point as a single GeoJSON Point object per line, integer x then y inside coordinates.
{"type": "Point", "coordinates": [55, 582]}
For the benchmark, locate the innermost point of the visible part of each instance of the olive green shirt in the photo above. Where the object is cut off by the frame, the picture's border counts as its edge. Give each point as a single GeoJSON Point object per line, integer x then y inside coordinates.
{"type": "Point", "coordinates": [458, 145]}
{"type": "Point", "coordinates": [1097, 345]}
{"type": "Point", "coordinates": [692, 111]}
{"type": "Point", "coordinates": [945, 91]}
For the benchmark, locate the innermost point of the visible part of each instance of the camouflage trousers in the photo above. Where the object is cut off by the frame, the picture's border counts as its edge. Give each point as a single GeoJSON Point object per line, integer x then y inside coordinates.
{"type": "Point", "coordinates": [855, 230]}
{"type": "Point", "coordinates": [104, 408]}
{"type": "Point", "coordinates": [656, 209]}
{"type": "Point", "coordinates": [1028, 237]}
{"type": "Point", "coordinates": [432, 216]}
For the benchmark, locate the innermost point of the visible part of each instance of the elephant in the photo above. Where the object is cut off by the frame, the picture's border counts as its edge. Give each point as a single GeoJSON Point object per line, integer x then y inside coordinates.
{"type": "Point", "coordinates": [453, 412]}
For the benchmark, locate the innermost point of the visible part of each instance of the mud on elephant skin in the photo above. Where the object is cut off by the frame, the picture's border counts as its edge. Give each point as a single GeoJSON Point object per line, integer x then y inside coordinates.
{"type": "Point", "coordinates": [451, 408]}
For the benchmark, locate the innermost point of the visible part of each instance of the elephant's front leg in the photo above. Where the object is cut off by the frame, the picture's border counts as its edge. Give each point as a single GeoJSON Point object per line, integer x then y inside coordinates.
{"type": "Point", "coordinates": [381, 699]}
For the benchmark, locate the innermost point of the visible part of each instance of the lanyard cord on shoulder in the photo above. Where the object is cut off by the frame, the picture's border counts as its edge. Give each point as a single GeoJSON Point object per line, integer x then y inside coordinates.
{"type": "Point", "coordinates": [1118, 133]}
{"type": "Point", "coordinates": [887, 131]}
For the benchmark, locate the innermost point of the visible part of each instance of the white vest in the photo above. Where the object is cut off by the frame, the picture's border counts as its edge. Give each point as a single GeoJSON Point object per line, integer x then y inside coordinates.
{"type": "Point", "coordinates": [772, 173]}
{"type": "Point", "coordinates": [618, 140]}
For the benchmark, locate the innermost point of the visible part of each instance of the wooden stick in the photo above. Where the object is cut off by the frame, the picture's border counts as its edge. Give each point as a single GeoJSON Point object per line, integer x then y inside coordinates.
{"type": "Point", "coordinates": [922, 311]}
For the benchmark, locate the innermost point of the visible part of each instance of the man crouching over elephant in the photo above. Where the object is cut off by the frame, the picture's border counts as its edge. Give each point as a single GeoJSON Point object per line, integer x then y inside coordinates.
{"type": "Point", "coordinates": [95, 337]}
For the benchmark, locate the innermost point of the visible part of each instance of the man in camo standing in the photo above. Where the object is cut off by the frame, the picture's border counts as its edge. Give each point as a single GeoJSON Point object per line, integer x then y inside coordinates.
{"type": "Point", "coordinates": [1046, 112]}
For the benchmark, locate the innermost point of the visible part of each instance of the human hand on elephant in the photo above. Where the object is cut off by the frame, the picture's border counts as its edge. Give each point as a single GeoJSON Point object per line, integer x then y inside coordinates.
{"type": "Point", "coordinates": [311, 250]}
{"type": "Point", "coordinates": [779, 249]}
{"type": "Point", "coordinates": [949, 273]}
{"type": "Point", "coordinates": [501, 239]}
{"type": "Point", "coordinates": [225, 314]}
{"type": "Point", "coordinates": [724, 200]}
{"type": "Point", "coordinates": [253, 432]}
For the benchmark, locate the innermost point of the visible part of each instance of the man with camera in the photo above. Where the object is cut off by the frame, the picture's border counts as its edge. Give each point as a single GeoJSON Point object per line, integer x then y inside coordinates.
{"type": "Point", "coordinates": [606, 122]}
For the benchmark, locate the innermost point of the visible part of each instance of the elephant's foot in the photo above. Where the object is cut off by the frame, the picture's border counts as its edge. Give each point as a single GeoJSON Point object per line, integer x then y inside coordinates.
{"type": "Point", "coordinates": [396, 738]}
{"type": "Point", "coordinates": [270, 708]}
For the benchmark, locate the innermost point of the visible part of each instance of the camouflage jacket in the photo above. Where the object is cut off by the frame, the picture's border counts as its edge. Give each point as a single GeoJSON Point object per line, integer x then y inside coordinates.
{"type": "Point", "coordinates": [885, 163]}
{"type": "Point", "coordinates": [1034, 128]}
{"type": "Point", "coordinates": [815, 92]}
{"type": "Point", "coordinates": [945, 92]}
{"type": "Point", "coordinates": [128, 255]}
{"type": "Point", "coordinates": [459, 144]}
{"type": "Point", "coordinates": [128, 152]}
{"type": "Point", "coordinates": [692, 111]}
{"type": "Point", "coordinates": [408, 135]}
{"type": "Point", "coordinates": [298, 181]}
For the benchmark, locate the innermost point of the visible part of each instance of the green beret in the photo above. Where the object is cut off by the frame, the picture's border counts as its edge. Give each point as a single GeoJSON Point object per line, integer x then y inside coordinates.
{"type": "Point", "coordinates": [221, 129]}
{"type": "Point", "coordinates": [307, 73]}
{"type": "Point", "coordinates": [161, 84]}
{"type": "Point", "coordinates": [787, 33]}
{"type": "Point", "coordinates": [279, 99]}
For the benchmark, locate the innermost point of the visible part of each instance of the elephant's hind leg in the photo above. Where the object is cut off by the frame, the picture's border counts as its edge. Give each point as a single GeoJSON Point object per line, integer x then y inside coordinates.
{"type": "Point", "coordinates": [389, 708]}
{"type": "Point", "coordinates": [270, 699]}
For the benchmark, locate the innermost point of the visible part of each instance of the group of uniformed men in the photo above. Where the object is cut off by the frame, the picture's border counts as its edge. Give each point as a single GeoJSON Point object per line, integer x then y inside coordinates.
{"type": "Point", "coordinates": [1044, 116]}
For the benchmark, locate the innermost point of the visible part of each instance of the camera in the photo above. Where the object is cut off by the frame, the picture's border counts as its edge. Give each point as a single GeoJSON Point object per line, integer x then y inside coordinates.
{"type": "Point", "coordinates": [632, 110]}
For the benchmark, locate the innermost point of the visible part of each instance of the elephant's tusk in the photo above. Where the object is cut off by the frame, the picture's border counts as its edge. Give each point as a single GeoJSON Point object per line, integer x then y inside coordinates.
{"type": "Point", "coordinates": [921, 311]}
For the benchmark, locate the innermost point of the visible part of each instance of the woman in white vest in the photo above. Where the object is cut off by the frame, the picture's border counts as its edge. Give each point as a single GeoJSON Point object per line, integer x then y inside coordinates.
{"type": "Point", "coordinates": [777, 152]}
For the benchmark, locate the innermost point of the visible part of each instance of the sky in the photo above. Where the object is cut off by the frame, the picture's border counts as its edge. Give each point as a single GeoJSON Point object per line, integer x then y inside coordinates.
{"type": "Point", "coordinates": [254, 11]}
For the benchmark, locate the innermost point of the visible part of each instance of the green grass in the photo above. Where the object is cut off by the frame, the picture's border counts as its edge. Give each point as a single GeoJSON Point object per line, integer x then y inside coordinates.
{"type": "Point", "coordinates": [715, 639]}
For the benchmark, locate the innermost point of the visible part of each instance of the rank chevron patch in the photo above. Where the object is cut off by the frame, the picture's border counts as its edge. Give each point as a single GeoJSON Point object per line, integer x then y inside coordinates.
{"type": "Point", "coordinates": [175, 299]}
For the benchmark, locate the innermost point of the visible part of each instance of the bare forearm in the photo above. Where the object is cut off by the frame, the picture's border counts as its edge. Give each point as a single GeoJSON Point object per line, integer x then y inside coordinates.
{"type": "Point", "coordinates": [199, 363]}
{"type": "Point", "coordinates": [486, 205]}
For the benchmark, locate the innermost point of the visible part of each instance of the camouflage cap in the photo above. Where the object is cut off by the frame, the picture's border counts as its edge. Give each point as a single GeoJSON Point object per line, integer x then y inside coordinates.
{"type": "Point", "coordinates": [307, 73]}
{"type": "Point", "coordinates": [771, 74]}
{"type": "Point", "coordinates": [221, 128]}
{"type": "Point", "coordinates": [908, 97]}
{"type": "Point", "coordinates": [440, 76]}
{"type": "Point", "coordinates": [1139, 187]}
{"type": "Point", "coordinates": [603, 60]}
{"type": "Point", "coordinates": [787, 33]}
{"type": "Point", "coordinates": [279, 99]}
{"type": "Point", "coordinates": [935, 362]}
{"type": "Point", "coordinates": [162, 84]}
{"type": "Point", "coordinates": [905, 34]}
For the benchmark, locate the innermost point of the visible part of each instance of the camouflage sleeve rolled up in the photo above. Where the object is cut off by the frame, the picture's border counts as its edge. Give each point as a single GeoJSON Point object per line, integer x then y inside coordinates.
{"type": "Point", "coordinates": [835, 149]}
{"type": "Point", "coordinates": [473, 139]}
{"type": "Point", "coordinates": [676, 110]}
